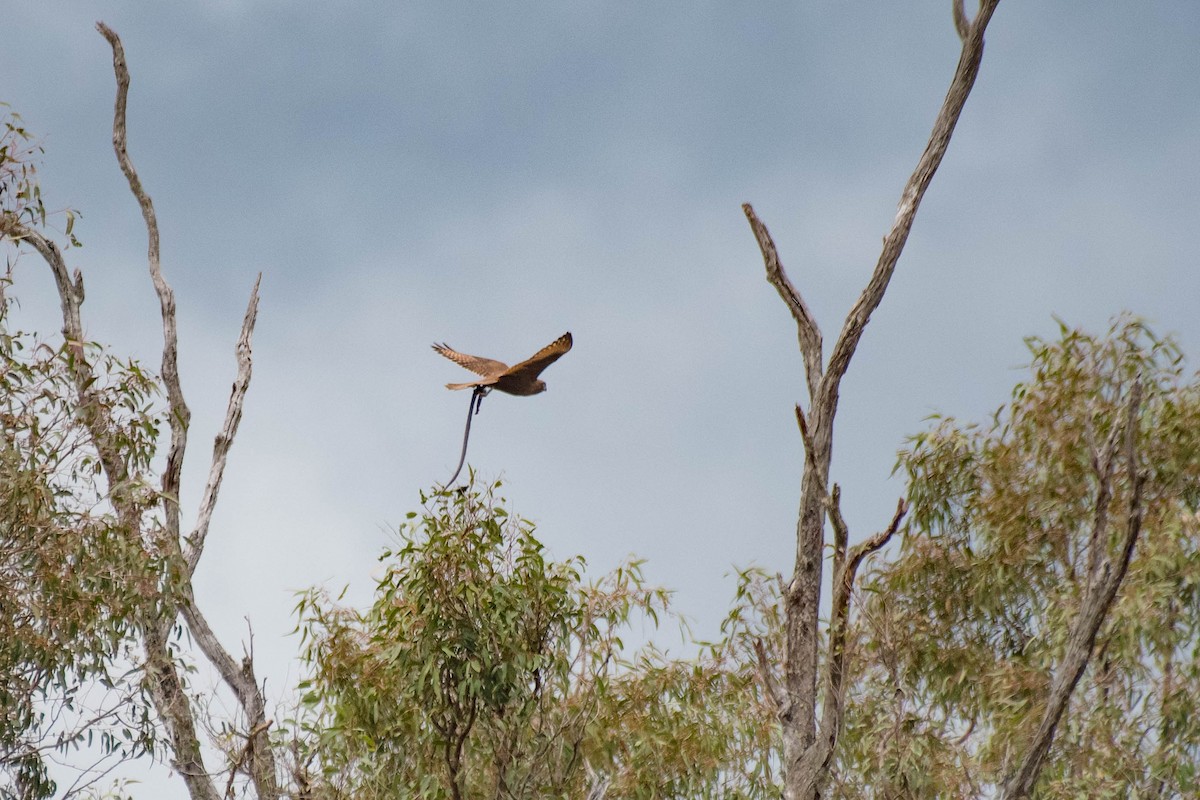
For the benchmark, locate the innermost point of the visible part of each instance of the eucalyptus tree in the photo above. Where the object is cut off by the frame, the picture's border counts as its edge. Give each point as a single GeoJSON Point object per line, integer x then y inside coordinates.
{"type": "Point", "coordinates": [1003, 602]}
{"type": "Point", "coordinates": [485, 669]}
{"type": "Point", "coordinates": [97, 561]}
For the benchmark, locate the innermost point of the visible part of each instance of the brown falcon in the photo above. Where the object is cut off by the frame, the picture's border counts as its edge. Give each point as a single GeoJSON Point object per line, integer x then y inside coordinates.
{"type": "Point", "coordinates": [521, 379]}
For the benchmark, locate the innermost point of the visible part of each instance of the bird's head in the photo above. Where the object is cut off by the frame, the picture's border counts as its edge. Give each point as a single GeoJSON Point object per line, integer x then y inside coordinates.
{"type": "Point", "coordinates": [539, 387]}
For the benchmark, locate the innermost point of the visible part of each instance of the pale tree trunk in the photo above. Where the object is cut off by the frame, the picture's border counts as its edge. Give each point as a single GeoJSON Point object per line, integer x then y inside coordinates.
{"type": "Point", "coordinates": [809, 739]}
{"type": "Point", "coordinates": [163, 673]}
{"type": "Point", "coordinates": [261, 761]}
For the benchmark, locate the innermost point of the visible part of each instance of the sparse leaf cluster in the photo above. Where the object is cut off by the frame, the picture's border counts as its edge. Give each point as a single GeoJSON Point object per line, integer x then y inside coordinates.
{"type": "Point", "coordinates": [74, 576]}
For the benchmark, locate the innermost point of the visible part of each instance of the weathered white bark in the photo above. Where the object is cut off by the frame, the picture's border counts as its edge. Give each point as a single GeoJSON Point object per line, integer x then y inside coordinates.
{"type": "Point", "coordinates": [176, 712]}
{"type": "Point", "coordinates": [224, 439]}
{"type": "Point", "coordinates": [164, 681]}
{"type": "Point", "coordinates": [180, 416]}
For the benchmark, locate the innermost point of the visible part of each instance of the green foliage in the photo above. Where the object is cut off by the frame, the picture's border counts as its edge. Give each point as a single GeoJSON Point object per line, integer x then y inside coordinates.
{"type": "Point", "coordinates": [485, 669]}
{"type": "Point", "coordinates": [74, 579]}
{"type": "Point", "coordinates": [700, 727]}
{"type": "Point", "coordinates": [963, 630]}
{"type": "Point", "coordinates": [20, 194]}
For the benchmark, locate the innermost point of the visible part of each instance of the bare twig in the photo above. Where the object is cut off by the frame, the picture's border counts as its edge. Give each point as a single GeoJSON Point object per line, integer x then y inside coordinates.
{"type": "Point", "coordinates": [864, 549]}
{"type": "Point", "coordinates": [91, 775]}
{"type": "Point", "coordinates": [806, 324]}
{"type": "Point", "coordinates": [805, 760]}
{"type": "Point", "coordinates": [843, 587]}
{"type": "Point", "coordinates": [239, 678]}
{"type": "Point", "coordinates": [961, 25]}
{"type": "Point", "coordinates": [777, 697]}
{"type": "Point", "coordinates": [224, 439]}
{"type": "Point", "coordinates": [841, 532]}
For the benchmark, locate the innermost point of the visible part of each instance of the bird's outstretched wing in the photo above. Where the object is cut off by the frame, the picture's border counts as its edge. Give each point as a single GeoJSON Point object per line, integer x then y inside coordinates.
{"type": "Point", "coordinates": [530, 368]}
{"type": "Point", "coordinates": [480, 366]}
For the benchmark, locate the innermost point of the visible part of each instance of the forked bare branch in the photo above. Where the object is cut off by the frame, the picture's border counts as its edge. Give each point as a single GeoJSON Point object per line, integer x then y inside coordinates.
{"type": "Point", "coordinates": [810, 448]}
{"type": "Point", "coordinates": [179, 415]}
{"type": "Point", "coordinates": [819, 757]}
{"type": "Point", "coordinates": [241, 679]}
{"type": "Point", "coordinates": [806, 324]}
{"type": "Point", "coordinates": [843, 587]}
{"type": "Point", "coordinates": [775, 694]}
{"type": "Point", "coordinates": [807, 747]}
{"type": "Point", "coordinates": [166, 685]}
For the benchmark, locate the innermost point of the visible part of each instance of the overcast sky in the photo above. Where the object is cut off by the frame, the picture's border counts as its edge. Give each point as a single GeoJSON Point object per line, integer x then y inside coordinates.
{"type": "Point", "coordinates": [492, 175]}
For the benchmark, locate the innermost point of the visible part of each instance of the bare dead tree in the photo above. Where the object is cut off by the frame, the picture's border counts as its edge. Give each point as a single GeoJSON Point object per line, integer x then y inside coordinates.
{"type": "Point", "coordinates": [809, 740]}
{"type": "Point", "coordinates": [163, 672]}
{"type": "Point", "coordinates": [240, 679]}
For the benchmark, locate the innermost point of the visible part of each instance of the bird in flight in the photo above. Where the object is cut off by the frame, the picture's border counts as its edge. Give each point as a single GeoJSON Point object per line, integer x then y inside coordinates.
{"type": "Point", "coordinates": [521, 379]}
